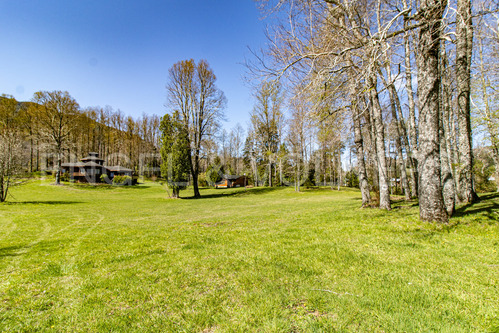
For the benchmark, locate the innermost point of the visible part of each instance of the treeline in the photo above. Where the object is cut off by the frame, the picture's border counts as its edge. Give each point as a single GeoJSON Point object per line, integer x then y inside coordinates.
{"type": "Point", "coordinates": [304, 149]}
{"type": "Point", "coordinates": [52, 129]}
{"type": "Point", "coordinates": [412, 78]}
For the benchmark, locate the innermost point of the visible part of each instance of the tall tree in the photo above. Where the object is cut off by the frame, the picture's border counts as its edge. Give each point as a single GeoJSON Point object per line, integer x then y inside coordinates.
{"type": "Point", "coordinates": [358, 140]}
{"type": "Point", "coordinates": [192, 91]}
{"type": "Point", "coordinates": [429, 167]}
{"type": "Point", "coordinates": [464, 35]}
{"type": "Point", "coordinates": [485, 81]}
{"type": "Point", "coordinates": [58, 116]}
{"type": "Point", "coordinates": [10, 144]}
{"type": "Point", "coordinates": [383, 177]}
{"type": "Point", "coordinates": [267, 121]}
{"type": "Point", "coordinates": [175, 153]}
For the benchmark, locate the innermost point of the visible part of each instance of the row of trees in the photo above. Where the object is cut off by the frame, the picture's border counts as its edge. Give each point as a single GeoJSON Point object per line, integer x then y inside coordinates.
{"type": "Point", "coordinates": [303, 149]}
{"type": "Point", "coordinates": [359, 60]}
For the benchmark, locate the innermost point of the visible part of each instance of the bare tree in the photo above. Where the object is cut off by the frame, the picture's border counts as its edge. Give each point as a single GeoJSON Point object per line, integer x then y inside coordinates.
{"type": "Point", "coordinates": [267, 121]}
{"type": "Point", "coordinates": [192, 91]}
{"type": "Point", "coordinates": [484, 88]}
{"type": "Point", "coordinates": [464, 34]}
{"type": "Point", "coordinates": [10, 144]}
{"type": "Point", "coordinates": [429, 167]}
{"type": "Point", "coordinates": [58, 117]}
{"type": "Point", "coordinates": [236, 139]}
{"type": "Point", "coordinates": [358, 140]}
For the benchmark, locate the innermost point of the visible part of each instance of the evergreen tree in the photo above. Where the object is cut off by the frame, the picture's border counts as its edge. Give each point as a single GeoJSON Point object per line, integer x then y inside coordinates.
{"type": "Point", "coordinates": [175, 153]}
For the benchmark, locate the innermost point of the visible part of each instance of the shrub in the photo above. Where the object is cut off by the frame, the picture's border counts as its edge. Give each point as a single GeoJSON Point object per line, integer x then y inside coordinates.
{"type": "Point", "coordinates": [122, 180]}
{"type": "Point", "coordinates": [202, 180]}
{"type": "Point", "coordinates": [64, 177]}
{"type": "Point", "coordinates": [105, 178]}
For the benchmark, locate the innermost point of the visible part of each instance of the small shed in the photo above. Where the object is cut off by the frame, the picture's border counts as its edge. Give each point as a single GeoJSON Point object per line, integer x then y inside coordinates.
{"type": "Point", "coordinates": [118, 170]}
{"type": "Point", "coordinates": [229, 181]}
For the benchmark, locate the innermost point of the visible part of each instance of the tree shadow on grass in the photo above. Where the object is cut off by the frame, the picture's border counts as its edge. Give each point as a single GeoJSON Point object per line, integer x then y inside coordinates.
{"type": "Point", "coordinates": [42, 202]}
{"type": "Point", "coordinates": [11, 251]}
{"type": "Point", "coordinates": [487, 207]}
{"type": "Point", "coordinates": [224, 193]}
{"type": "Point", "coordinates": [104, 187]}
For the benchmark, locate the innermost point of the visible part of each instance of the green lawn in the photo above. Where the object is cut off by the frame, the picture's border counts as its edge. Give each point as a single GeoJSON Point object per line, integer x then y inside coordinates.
{"type": "Point", "coordinates": [76, 258]}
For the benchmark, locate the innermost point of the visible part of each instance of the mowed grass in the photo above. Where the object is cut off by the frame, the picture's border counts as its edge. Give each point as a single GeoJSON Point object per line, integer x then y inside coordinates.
{"type": "Point", "coordinates": [99, 259]}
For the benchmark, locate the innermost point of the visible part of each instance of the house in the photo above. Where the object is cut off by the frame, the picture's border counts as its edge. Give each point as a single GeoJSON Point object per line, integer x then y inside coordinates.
{"type": "Point", "coordinates": [118, 170]}
{"type": "Point", "coordinates": [91, 168]}
{"type": "Point", "coordinates": [229, 181]}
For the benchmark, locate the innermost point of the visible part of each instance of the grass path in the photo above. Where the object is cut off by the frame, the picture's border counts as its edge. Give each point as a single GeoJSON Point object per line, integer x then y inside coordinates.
{"type": "Point", "coordinates": [76, 258]}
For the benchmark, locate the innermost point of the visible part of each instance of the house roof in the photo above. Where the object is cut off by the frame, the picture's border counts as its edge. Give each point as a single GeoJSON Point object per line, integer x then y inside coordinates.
{"type": "Point", "coordinates": [91, 158]}
{"type": "Point", "coordinates": [92, 164]}
{"type": "Point", "coordinates": [73, 165]}
{"type": "Point", "coordinates": [232, 177]}
{"type": "Point", "coordinates": [118, 168]}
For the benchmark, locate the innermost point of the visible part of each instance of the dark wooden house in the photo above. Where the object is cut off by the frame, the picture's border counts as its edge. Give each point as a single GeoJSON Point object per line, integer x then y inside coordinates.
{"type": "Point", "coordinates": [229, 181]}
{"type": "Point", "coordinates": [91, 168]}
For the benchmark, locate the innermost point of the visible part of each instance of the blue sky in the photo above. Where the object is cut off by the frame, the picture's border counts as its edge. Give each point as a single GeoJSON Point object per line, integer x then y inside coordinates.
{"type": "Point", "coordinates": [118, 53]}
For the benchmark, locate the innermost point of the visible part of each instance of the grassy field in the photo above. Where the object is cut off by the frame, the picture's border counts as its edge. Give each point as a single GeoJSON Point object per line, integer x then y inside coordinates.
{"type": "Point", "coordinates": [76, 258]}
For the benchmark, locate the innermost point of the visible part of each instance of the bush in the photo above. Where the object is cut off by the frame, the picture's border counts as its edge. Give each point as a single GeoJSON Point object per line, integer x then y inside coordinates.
{"type": "Point", "coordinates": [202, 180]}
{"type": "Point", "coordinates": [122, 180]}
{"type": "Point", "coordinates": [105, 178]}
{"type": "Point", "coordinates": [64, 177]}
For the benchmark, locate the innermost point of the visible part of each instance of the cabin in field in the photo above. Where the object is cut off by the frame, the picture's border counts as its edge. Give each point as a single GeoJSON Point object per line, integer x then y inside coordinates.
{"type": "Point", "coordinates": [91, 168]}
{"type": "Point", "coordinates": [229, 181]}
{"type": "Point", "coordinates": [118, 170]}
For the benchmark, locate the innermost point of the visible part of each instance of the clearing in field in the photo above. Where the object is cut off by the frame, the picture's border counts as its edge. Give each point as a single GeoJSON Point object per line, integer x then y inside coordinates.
{"type": "Point", "coordinates": [83, 258]}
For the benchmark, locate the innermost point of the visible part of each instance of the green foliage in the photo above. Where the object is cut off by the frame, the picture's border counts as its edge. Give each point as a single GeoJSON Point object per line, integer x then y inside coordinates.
{"type": "Point", "coordinates": [175, 152]}
{"type": "Point", "coordinates": [352, 178]}
{"type": "Point", "coordinates": [202, 180]}
{"type": "Point", "coordinates": [122, 180]}
{"type": "Point", "coordinates": [484, 169]}
{"type": "Point", "coordinates": [125, 259]}
{"type": "Point", "coordinates": [104, 178]}
{"type": "Point", "coordinates": [215, 172]}
{"type": "Point", "coordinates": [311, 176]}
{"type": "Point", "coordinates": [65, 177]}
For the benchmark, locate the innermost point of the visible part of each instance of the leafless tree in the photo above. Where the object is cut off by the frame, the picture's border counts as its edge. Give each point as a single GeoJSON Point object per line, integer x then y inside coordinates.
{"type": "Point", "coordinates": [192, 91]}
{"type": "Point", "coordinates": [10, 144]}
{"type": "Point", "coordinates": [58, 116]}
{"type": "Point", "coordinates": [267, 121]}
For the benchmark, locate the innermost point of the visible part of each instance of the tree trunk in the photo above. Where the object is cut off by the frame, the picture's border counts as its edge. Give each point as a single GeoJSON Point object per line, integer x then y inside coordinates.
{"type": "Point", "coordinates": [31, 150]}
{"type": "Point", "coordinates": [463, 66]}
{"type": "Point", "coordinates": [447, 180]}
{"type": "Point", "coordinates": [358, 141]}
{"type": "Point", "coordinates": [385, 200]}
{"type": "Point", "coordinates": [340, 171]}
{"type": "Point", "coordinates": [447, 177]}
{"type": "Point", "coordinates": [58, 172]}
{"type": "Point", "coordinates": [429, 167]}
{"type": "Point", "coordinates": [372, 157]}
{"type": "Point", "coordinates": [270, 174]}
{"type": "Point", "coordinates": [399, 143]}
{"type": "Point", "coordinates": [195, 185]}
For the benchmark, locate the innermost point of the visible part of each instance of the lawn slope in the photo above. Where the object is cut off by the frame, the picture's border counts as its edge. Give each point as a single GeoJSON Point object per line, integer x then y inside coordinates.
{"type": "Point", "coordinates": [80, 258]}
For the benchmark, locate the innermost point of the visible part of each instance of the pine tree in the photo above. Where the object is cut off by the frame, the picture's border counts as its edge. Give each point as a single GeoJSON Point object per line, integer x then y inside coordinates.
{"type": "Point", "coordinates": [175, 153]}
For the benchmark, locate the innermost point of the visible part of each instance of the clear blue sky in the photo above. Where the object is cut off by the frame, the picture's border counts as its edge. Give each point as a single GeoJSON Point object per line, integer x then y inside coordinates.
{"type": "Point", "coordinates": [118, 53]}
